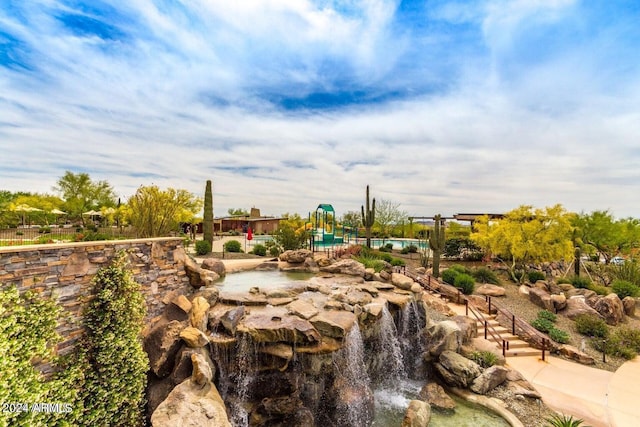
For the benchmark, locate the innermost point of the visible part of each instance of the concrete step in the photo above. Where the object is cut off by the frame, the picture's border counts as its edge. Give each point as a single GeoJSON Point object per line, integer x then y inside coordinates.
{"type": "Point", "coordinates": [523, 352]}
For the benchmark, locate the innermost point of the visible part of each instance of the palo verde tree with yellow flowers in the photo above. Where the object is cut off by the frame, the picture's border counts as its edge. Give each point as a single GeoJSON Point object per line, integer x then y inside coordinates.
{"type": "Point", "coordinates": [526, 236]}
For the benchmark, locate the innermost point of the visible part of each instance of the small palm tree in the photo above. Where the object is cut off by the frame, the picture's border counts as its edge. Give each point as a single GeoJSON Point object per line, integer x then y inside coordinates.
{"type": "Point", "coordinates": [564, 421]}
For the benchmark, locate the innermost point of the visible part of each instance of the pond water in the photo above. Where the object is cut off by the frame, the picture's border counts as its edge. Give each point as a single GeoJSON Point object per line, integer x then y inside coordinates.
{"type": "Point", "coordinates": [391, 406]}
{"type": "Point", "coordinates": [271, 279]}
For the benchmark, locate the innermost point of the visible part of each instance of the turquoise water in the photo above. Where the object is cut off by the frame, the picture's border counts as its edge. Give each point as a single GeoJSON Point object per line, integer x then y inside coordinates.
{"type": "Point", "coordinates": [243, 281]}
{"type": "Point", "coordinates": [392, 405]}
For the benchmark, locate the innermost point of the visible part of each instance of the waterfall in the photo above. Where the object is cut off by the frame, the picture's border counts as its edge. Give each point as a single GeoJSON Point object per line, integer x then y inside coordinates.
{"type": "Point", "coordinates": [410, 324]}
{"type": "Point", "coordinates": [236, 368]}
{"type": "Point", "coordinates": [387, 365]}
{"type": "Point", "coordinates": [355, 400]}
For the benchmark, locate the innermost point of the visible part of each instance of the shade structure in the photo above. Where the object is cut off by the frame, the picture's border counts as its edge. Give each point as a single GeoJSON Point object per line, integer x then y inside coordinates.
{"type": "Point", "coordinates": [25, 208]}
{"type": "Point", "coordinates": [92, 213]}
{"type": "Point", "coordinates": [58, 212]}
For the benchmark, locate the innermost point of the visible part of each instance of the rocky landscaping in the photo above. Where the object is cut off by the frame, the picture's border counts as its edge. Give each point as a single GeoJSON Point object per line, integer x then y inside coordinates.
{"type": "Point", "coordinates": [311, 353]}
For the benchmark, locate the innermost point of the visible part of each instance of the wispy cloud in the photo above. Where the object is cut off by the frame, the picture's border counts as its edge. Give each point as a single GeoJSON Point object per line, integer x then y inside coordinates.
{"type": "Point", "coordinates": [442, 106]}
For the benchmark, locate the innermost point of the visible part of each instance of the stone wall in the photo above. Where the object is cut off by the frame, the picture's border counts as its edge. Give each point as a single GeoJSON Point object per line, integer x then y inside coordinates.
{"type": "Point", "coordinates": [64, 273]}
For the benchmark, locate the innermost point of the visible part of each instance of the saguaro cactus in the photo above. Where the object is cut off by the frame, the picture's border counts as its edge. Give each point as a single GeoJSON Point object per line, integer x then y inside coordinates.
{"type": "Point", "coordinates": [207, 223]}
{"type": "Point", "coordinates": [436, 243]}
{"type": "Point", "coordinates": [369, 217]}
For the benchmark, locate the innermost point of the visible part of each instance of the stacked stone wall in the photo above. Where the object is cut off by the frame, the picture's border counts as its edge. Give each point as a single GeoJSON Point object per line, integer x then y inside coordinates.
{"type": "Point", "coordinates": [64, 272]}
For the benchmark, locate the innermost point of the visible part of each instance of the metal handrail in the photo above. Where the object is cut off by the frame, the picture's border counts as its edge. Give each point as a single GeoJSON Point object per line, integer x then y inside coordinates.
{"type": "Point", "coordinates": [469, 306]}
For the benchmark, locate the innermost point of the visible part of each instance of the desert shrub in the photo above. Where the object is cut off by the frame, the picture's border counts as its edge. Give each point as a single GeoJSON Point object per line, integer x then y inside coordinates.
{"type": "Point", "coordinates": [628, 337]}
{"type": "Point", "coordinates": [260, 250]}
{"type": "Point", "coordinates": [404, 250]}
{"type": "Point", "coordinates": [484, 275]}
{"type": "Point", "coordinates": [599, 289]}
{"type": "Point", "coordinates": [591, 326]}
{"type": "Point", "coordinates": [44, 230]}
{"type": "Point", "coordinates": [546, 314]}
{"type": "Point", "coordinates": [389, 246]}
{"type": "Point", "coordinates": [460, 269]}
{"type": "Point", "coordinates": [559, 336]}
{"type": "Point", "coordinates": [485, 359]}
{"type": "Point", "coordinates": [580, 282]}
{"type": "Point", "coordinates": [465, 283]}
{"type": "Point", "coordinates": [43, 240]}
{"type": "Point", "coordinates": [384, 249]}
{"type": "Point", "coordinates": [386, 257]}
{"type": "Point", "coordinates": [370, 261]}
{"type": "Point", "coordinates": [563, 421]}
{"type": "Point", "coordinates": [535, 275]}
{"type": "Point", "coordinates": [274, 251]}
{"type": "Point", "coordinates": [543, 325]}
{"type": "Point", "coordinates": [412, 249]}
{"type": "Point", "coordinates": [623, 288]}
{"type": "Point", "coordinates": [614, 346]}
{"type": "Point", "coordinates": [90, 236]}
{"type": "Point", "coordinates": [563, 280]}
{"type": "Point", "coordinates": [449, 275]}
{"type": "Point", "coordinates": [203, 247]}
{"type": "Point", "coordinates": [397, 262]}
{"type": "Point", "coordinates": [629, 271]}
{"type": "Point", "coordinates": [233, 246]}
{"type": "Point", "coordinates": [518, 275]}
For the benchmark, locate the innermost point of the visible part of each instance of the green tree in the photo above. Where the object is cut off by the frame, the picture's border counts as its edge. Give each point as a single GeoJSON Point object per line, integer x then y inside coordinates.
{"type": "Point", "coordinates": [291, 233]}
{"type": "Point", "coordinates": [351, 219]}
{"type": "Point", "coordinates": [117, 365]}
{"type": "Point", "coordinates": [608, 236]}
{"type": "Point", "coordinates": [81, 193]}
{"type": "Point", "coordinates": [388, 215]}
{"type": "Point", "coordinates": [237, 212]}
{"type": "Point", "coordinates": [45, 203]}
{"type": "Point", "coordinates": [154, 212]}
{"type": "Point", "coordinates": [526, 236]}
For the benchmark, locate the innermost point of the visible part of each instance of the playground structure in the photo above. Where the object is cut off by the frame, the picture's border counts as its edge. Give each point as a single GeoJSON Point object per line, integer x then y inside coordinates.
{"type": "Point", "coordinates": [323, 229]}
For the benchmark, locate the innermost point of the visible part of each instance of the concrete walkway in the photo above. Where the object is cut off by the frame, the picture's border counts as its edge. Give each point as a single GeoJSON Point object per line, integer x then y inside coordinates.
{"type": "Point", "coordinates": [601, 398]}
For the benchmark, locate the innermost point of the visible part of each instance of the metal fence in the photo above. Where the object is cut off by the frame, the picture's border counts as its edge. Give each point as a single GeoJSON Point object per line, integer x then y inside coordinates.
{"type": "Point", "coordinates": [43, 235]}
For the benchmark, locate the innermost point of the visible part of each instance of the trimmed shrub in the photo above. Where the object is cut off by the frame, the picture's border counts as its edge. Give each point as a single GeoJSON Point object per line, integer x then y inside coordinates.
{"type": "Point", "coordinates": [412, 249]}
{"type": "Point", "coordinates": [484, 275]}
{"type": "Point", "coordinates": [397, 262]}
{"type": "Point", "coordinates": [485, 359]}
{"type": "Point", "coordinates": [233, 246]}
{"type": "Point", "coordinates": [460, 268]}
{"type": "Point", "coordinates": [260, 250]}
{"type": "Point", "coordinates": [559, 336]}
{"type": "Point", "coordinates": [591, 326]}
{"type": "Point", "coordinates": [404, 250]}
{"type": "Point", "coordinates": [384, 249]}
{"type": "Point", "coordinates": [449, 276]}
{"type": "Point", "coordinates": [535, 275]}
{"type": "Point", "coordinates": [389, 246]}
{"type": "Point", "coordinates": [580, 282]}
{"type": "Point", "coordinates": [203, 247]}
{"type": "Point", "coordinates": [547, 315]}
{"type": "Point", "coordinates": [543, 325]}
{"type": "Point", "coordinates": [386, 257]}
{"type": "Point", "coordinates": [623, 288]}
{"type": "Point", "coordinates": [465, 283]}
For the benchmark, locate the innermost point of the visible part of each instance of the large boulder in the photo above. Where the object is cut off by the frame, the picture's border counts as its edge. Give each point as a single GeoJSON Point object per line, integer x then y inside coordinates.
{"type": "Point", "coordinates": [302, 308]}
{"type": "Point", "coordinates": [198, 276]}
{"type": "Point", "coordinates": [418, 414]}
{"type": "Point", "coordinates": [194, 402]}
{"type": "Point", "coordinates": [629, 304]}
{"type": "Point", "coordinates": [457, 370]}
{"type": "Point", "coordinates": [345, 266]}
{"type": "Point", "coordinates": [573, 353]}
{"type": "Point", "coordinates": [490, 290]}
{"type": "Point", "coordinates": [161, 344]}
{"type": "Point", "coordinates": [194, 337]}
{"type": "Point", "coordinates": [178, 308]}
{"type": "Point", "coordinates": [297, 256]}
{"type": "Point", "coordinates": [198, 316]}
{"type": "Point", "coordinates": [577, 306]}
{"type": "Point", "coordinates": [334, 324]}
{"type": "Point", "coordinates": [468, 328]}
{"type": "Point", "coordinates": [401, 281]}
{"type": "Point", "coordinates": [442, 336]}
{"type": "Point", "coordinates": [215, 265]}
{"type": "Point", "coordinates": [230, 319]}
{"type": "Point", "coordinates": [611, 309]}
{"type": "Point", "coordinates": [489, 379]}
{"type": "Point", "coordinates": [267, 328]}
{"type": "Point", "coordinates": [434, 394]}
{"type": "Point", "coordinates": [541, 298]}
{"type": "Point", "coordinates": [559, 302]}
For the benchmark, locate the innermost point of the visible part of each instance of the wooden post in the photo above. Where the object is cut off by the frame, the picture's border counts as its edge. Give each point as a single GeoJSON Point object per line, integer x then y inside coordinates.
{"type": "Point", "coordinates": [485, 329]}
{"type": "Point", "coordinates": [513, 324]}
{"type": "Point", "coordinates": [466, 307]}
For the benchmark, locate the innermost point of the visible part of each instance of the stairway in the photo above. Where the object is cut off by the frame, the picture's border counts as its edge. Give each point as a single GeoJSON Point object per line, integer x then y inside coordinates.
{"type": "Point", "coordinates": [517, 347]}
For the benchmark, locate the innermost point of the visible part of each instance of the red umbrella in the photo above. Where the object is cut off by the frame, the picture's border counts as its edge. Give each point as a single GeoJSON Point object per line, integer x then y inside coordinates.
{"type": "Point", "coordinates": [249, 234]}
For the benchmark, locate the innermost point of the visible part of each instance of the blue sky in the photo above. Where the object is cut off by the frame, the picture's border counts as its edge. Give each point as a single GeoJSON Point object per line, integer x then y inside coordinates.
{"type": "Point", "coordinates": [441, 106]}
